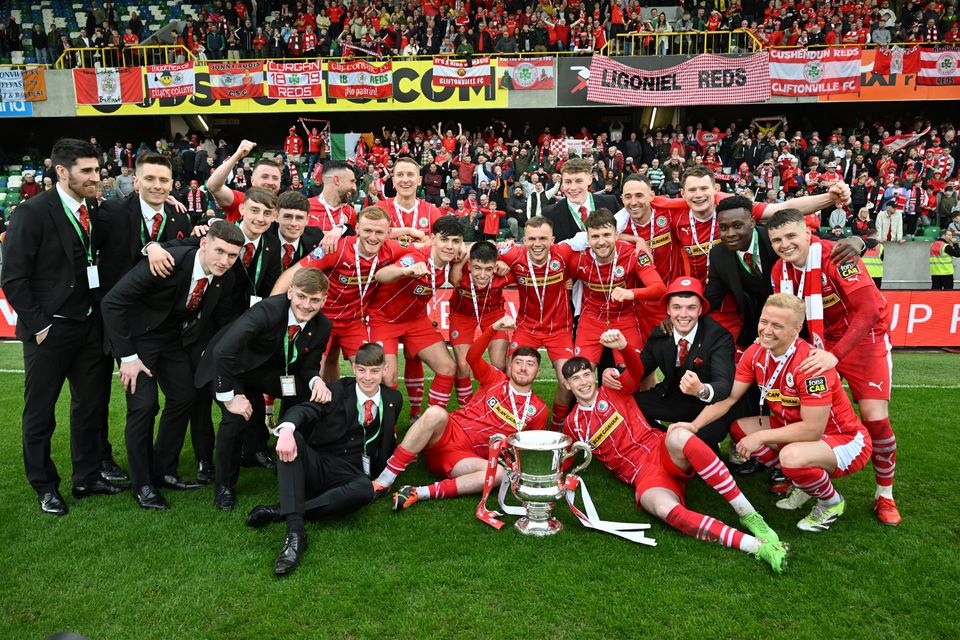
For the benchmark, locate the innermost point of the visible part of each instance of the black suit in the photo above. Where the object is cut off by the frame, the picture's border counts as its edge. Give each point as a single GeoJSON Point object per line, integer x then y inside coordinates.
{"type": "Point", "coordinates": [146, 315]}
{"type": "Point", "coordinates": [247, 358]}
{"type": "Point", "coordinates": [564, 226]}
{"type": "Point", "coordinates": [710, 356]}
{"type": "Point", "coordinates": [125, 233]}
{"type": "Point", "coordinates": [327, 476]}
{"type": "Point", "coordinates": [750, 289]}
{"type": "Point", "coordinates": [308, 242]}
{"type": "Point", "coordinates": [45, 279]}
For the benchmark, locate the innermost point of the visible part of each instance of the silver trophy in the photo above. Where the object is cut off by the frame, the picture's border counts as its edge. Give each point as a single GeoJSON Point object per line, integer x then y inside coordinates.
{"type": "Point", "coordinates": [533, 461]}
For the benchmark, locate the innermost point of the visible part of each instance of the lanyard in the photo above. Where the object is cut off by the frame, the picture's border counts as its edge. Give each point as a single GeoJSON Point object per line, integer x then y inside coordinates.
{"type": "Point", "coordinates": [576, 212]}
{"type": "Point", "coordinates": [143, 229]}
{"type": "Point", "coordinates": [653, 231]}
{"type": "Point", "coordinates": [473, 292]}
{"type": "Point", "coordinates": [366, 440]}
{"type": "Point", "coordinates": [768, 384]}
{"type": "Point", "coordinates": [84, 240]}
{"type": "Point", "coordinates": [786, 278]}
{"type": "Point", "coordinates": [576, 421]}
{"type": "Point", "coordinates": [433, 280]}
{"type": "Point", "coordinates": [288, 360]}
{"type": "Point", "coordinates": [533, 277]}
{"type": "Point", "coordinates": [608, 290]}
{"type": "Point", "coordinates": [693, 232]}
{"type": "Point", "coordinates": [402, 212]}
{"type": "Point", "coordinates": [361, 287]}
{"type": "Point", "coordinates": [323, 201]}
{"type": "Point", "coordinates": [755, 253]}
{"type": "Point", "coordinates": [520, 420]}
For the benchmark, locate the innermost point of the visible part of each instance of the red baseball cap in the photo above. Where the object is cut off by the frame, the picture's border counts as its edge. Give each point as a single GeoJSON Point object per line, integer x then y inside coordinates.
{"type": "Point", "coordinates": [685, 284]}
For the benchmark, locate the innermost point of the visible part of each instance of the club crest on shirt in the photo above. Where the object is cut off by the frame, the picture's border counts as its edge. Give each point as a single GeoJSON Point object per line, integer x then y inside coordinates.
{"type": "Point", "coordinates": [554, 264]}
{"type": "Point", "coordinates": [816, 385]}
{"type": "Point", "coordinates": [454, 334]}
{"type": "Point", "coordinates": [407, 261]}
{"type": "Point", "coordinates": [423, 223]}
{"type": "Point", "coordinates": [643, 260]}
{"type": "Point", "coordinates": [531, 410]}
{"type": "Point", "coordinates": [618, 272]}
{"type": "Point", "coordinates": [661, 221]}
{"type": "Point", "coordinates": [317, 253]}
{"type": "Point", "coordinates": [602, 405]}
{"type": "Point", "coordinates": [848, 269]}
{"type": "Point", "coordinates": [789, 379]}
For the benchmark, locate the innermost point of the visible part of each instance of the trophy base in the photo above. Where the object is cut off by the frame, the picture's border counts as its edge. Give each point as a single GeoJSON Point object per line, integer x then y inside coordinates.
{"type": "Point", "coordinates": [538, 528]}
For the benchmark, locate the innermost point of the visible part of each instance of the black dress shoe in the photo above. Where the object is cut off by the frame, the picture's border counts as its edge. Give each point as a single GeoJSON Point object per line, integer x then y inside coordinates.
{"type": "Point", "coordinates": [52, 502]}
{"type": "Point", "coordinates": [293, 547]}
{"type": "Point", "coordinates": [263, 514]}
{"type": "Point", "coordinates": [263, 459]}
{"type": "Point", "coordinates": [747, 468]}
{"type": "Point", "coordinates": [206, 473]}
{"type": "Point", "coordinates": [224, 499]}
{"type": "Point", "coordinates": [96, 487]}
{"type": "Point", "coordinates": [176, 482]}
{"type": "Point", "coordinates": [111, 471]}
{"type": "Point", "coordinates": [148, 497]}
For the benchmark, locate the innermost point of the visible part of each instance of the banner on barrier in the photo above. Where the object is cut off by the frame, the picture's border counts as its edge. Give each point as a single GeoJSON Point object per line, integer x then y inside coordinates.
{"type": "Point", "coordinates": [814, 72]}
{"type": "Point", "coordinates": [170, 80]}
{"type": "Point", "coordinates": [939, 66]}
{"type": "Point", "coordinates": [704, 79]}
{"type": "Point", "coordinates": [294, 80]}
{"type": "Point", "coordinates": [235, 80]}
{"type": "Point", "coordinates": [526, 74]}
{"type": "Point", "coordinates": [359, 79]}
{"type": "Point", "coordinates": [448, 72]}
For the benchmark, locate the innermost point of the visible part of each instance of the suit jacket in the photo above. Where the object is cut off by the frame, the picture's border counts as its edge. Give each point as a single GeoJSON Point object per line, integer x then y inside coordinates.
{"type": "Point", "coordinates": [308, 241]}
{"type": "Point", "coordinates": [710, 357]}
{"type": "Point", "coordinates": [40, 270]}
{"type": "Point", "coordinates": [257, 336]}
{"type": "Point", "coordinates": [119, 244]}
{"type": "Point", "coordinates": [334, 427]}
{"type": "Point", "coordinates": [750, 291]}
{"type": "Point", "coordinates": [564, 226]}
{"type": "Point", "coordinates": [142, 302]}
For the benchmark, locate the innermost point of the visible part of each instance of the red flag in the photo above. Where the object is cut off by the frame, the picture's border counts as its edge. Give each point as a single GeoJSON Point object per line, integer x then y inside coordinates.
{"type": "Point", "coordinates": [707, 138]}
{"type": "Point", "coordinates": [109, 85]}
{"type": "Point", "coordinates": [902, 141]}
{"type": "Point", "coordinates": [236, 80]}
{"type": "Point", "coordinates": [891, 61]}
{"type": "Point", "coordinates": [939, 66]}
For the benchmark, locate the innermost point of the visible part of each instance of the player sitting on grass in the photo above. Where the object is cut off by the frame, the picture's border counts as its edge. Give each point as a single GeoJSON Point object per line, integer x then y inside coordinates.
{"type": "Point", "coordinates": [811, 432]}
{"type": "Point", "coordinates": [658, 465]}
{"type": "Point", "coordinates": [455, 445]}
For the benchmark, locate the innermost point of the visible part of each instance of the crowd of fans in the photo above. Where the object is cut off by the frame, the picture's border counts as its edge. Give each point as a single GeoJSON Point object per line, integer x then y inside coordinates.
{"type": "Point", "coordinates": [514, 173]}
{"type": "Point", "coordinates": [228, 29]}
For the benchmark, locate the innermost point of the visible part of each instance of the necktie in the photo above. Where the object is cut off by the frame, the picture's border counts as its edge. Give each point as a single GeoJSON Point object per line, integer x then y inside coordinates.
{"type": "Point", "coordinates": [84, 219]}
{"type": "Point", "coordinates": [247, 255]}
{"type": "Point", "coordinates": [748, 260]}
{"type": "Point", "coordinates": [583, 213]}
{"type": "Point", "coordinates": [157, 221]}
{"type": "Point", "coordinates": [682, 350]}
{"type": "Point", "coordinates": [193, 303]}
{"type": "Point", "coordinates": [368, 413]}
{"type": "Point", "coordinates": [287, 254]}
{"type": "Point", "coordinates": [292, 332]}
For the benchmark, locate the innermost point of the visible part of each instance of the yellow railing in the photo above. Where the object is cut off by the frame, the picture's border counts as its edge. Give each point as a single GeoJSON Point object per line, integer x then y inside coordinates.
{"type": "Point", "coordinates": [681, 43]}
{"type": "Point", "coordinates": [122, 57]}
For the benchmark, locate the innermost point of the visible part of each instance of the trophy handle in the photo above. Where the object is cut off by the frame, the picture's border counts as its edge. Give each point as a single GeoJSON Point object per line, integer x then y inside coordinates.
{"type": "Point", "coordinates": [505, 459]}
{"type": "Point", "coordinates": [587, 457]}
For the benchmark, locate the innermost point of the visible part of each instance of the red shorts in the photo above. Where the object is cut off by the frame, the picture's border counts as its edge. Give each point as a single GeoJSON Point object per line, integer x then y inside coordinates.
{"type": "Point", "coordinates": [452, 447]}
{"type": "Point", "coordinates": [348, 335]}
{"type": "Point", "coordinates": [589, 331]}
{"type": "Point", "coordinates": [464, 330]}
{"type": "Point", "coordinates": [852, 451]}
{"type": "Point", "coordinates": [868, 369]}
{"type": "Point", "coordinates": [559, 345]}
{"type": "Point", "coordinates": [660, 472]}
{"type": "Point", "coordinates": [416, 335]}
{"type": "Point", "coordinates": [649, 315]}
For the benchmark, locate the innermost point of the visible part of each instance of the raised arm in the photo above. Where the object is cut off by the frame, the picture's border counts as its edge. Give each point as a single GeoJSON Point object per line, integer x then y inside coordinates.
{"type": "Point", "coordinates": [217, 182]}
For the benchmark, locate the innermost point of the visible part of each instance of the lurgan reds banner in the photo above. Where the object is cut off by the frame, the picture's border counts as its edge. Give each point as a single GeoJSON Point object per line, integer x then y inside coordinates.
{"type": "Point", "coordinates": [814, 72]}
{"type": "Point", "coordinates": [704, 79]}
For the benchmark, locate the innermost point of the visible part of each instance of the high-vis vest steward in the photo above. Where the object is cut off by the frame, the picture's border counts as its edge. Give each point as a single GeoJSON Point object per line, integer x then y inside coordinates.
{"type": "Point", "coordinates": [873, 260]}
{"type": "Point", "coordinates": [941, 264]}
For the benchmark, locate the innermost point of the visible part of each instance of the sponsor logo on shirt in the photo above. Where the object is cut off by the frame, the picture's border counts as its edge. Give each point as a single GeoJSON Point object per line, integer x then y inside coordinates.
{"type": "Point", "coordinates": [643, 260]}
{"type": "Point", "coordinates": [606, 429]}
{"type": "Point", "coordinates": [848, 270]}
{"type": "Point", "coordinates": [816, 385]}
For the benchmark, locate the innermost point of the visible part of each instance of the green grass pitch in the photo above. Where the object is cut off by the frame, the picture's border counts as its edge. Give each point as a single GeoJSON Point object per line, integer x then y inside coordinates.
{"type": "Point", "coordinates": [110, 570]}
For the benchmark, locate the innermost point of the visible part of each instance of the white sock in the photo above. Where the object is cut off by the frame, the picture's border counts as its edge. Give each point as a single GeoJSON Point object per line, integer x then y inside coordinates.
{"type": "Point", "coordinates": [835, 500]}
{"type": "Point", "coordinates": [423, 493]}
{"type": "Point", "coordinates": [749, 544]}
{"type": "Point", "coordinates": [884, 492]}
{"type": "Point", "coordinates": [742, 506]}
{"type": "Point", "coordinates": [386, 477]}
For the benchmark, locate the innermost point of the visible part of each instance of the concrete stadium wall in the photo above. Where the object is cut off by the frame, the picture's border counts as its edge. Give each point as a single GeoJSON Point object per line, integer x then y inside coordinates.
{"type": "Point", "coordinates": [907, 266]}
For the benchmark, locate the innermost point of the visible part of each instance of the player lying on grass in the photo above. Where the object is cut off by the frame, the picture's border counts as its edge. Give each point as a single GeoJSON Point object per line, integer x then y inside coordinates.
{"type": "Point", "coordinates": [455, 444]}
{"type": "Point", "coordinates": [811, 432]}
{"type": "Point", "coordinates": [658, 465]}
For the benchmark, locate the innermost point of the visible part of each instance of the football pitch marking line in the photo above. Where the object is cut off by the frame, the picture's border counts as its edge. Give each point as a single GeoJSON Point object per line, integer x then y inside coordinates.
{"type": "Point", "coordinates": [554, 379]}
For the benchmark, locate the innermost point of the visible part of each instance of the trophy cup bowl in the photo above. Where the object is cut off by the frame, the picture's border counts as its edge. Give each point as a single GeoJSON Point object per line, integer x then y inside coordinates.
{"type": "Point", "coordinates": [533, 462]}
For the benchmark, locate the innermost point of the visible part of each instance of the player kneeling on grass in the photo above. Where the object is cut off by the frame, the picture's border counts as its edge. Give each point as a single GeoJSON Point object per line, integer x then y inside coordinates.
{"type": "Point", "coordinates": [812, 432]}
{"type": "Point", "coordinates": [658, 465]}
{"type": "Point", "coordinates": [455, 445]}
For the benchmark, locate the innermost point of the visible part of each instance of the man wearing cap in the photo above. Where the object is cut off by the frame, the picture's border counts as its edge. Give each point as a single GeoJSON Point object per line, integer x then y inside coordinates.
{"type": "Point", "coordinates": [293, 146]}
{"type": "Point", "coordinates": [695, 355]}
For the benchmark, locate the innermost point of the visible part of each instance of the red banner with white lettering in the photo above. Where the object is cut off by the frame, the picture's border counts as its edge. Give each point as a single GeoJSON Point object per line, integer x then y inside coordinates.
{"type": "Point", "coordinates": [301, 80]}
{"type": "Point", "coordinates": [814, 72]}
{"type": "Point", "coordinates": [919, 318]}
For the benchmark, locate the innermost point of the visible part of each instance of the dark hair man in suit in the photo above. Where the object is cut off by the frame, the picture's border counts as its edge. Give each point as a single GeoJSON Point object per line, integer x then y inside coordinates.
{"type": "Point", "coordinates": [329, 452]}
{"type": "Point", "coordinates": [569, 215]}
{"type": "Point", "coordinates": [695, 355]}
{"type": "Point", "coordinates": [275, 348]}
{"type": "Point", "coordinates": [152, 323]}
{"type": "Point", "coordinates": [296, 238]}
{"type": "Point", "coordinates": [51, 280]}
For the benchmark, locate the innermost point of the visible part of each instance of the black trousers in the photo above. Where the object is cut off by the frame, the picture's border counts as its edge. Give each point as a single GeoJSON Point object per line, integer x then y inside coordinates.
{"type": "Point", "coordinates": [942, 283]}
{"type": "Point", "coordinates": [233, 436]}
{"type": "Point", "coordinates": [201, 420]}
{"type": "Point", "coordinates": [319, 485]}
{"type": "Point", "coordinates": [677, 407]}
{"type": "Point", "coordinates": [72, 351]}
{"type": "Point", "coordinates": [163, 355]}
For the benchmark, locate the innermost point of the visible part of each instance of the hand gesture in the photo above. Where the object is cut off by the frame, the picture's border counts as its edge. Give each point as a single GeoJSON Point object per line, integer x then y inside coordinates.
{"type": "Point", "coordinates": [690, 383]}
{"type": "Point", "coordinates": [613, 339]}
{"type": "Point", "coordinates": [286, 446]}
{"type": "Point", "coordinates": [240, 406]}
{"type": "Point", "coordinates": [176, 204]}
{"type": "Point", "coordinates": [506, 323]}
{"type": "Point", "coordinates": [244, 149]}
{"type": "Point", "coordinates": [818, 361]}
{"type": "Point", "coordinates": [130, 371]}
{"type": "Point", "coordinates": [417, 270]}
{"type": "Point", "coordinates": [320, 392]}
{"type": "Point", "coordinates": [330, 240]}
{"type": "Point", "coordinates": [611, 379]}
{"type": "Point", "coordinates": [621, 294]}
{"type": "Point", "coordinates": [161, 262]}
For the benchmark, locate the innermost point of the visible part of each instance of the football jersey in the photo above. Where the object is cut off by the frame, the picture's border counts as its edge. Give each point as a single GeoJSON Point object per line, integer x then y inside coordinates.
{"type": "Point", "coordinates": [599, 280]}
{"type": "Point", "coordinates": [420, 217]}
{"type": "Point", "coordinates": [837, 282]}
{"type": "Point", "coordinates": [351, 286]}
{"type": "Point", "coordinates": [475, 301]}
{"type": "Point", "coordinates": [616, 432]}
{"type": "Point", "coordinates": [326, 217]}
{"type": "Point", "coordinates": [659, 237]}
{"type": "Point", "coordinates": [544, 301]}
{"type": "Point", "coordinates": [406, 299]}
{"type": "Point", "coordinates": [792, 388]}
{"type": "Point", "coordinates": [232, 213]}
